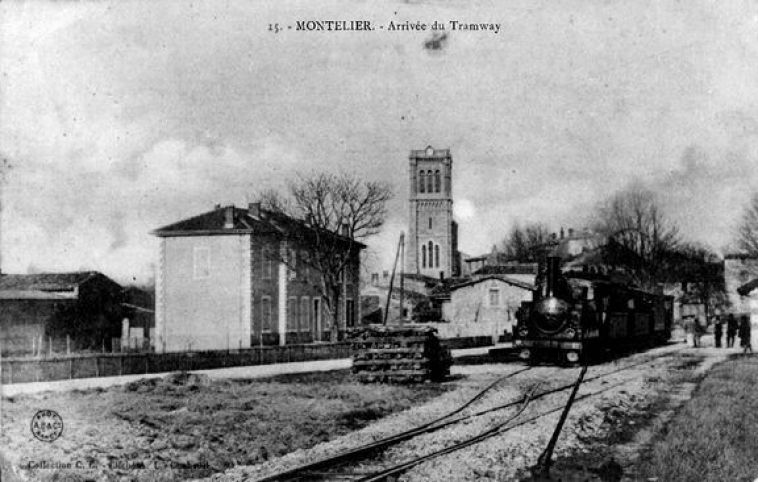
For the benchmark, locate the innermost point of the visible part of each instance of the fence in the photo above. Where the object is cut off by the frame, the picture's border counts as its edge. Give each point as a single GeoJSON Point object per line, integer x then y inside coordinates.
{"type": "Point", "coordinates": [64, 367]}
{"type": "Point", "coordinates": [21, 370]}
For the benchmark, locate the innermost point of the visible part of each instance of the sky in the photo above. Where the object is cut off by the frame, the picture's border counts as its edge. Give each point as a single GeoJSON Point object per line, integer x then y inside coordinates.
{"type": "Point", "coordinates": [117, 118]}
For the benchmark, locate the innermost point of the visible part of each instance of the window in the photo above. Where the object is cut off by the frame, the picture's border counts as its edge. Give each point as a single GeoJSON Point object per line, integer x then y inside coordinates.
{"type": "Point", "coordinates": [305, 267]}
{"type": "Point", "coordinates": [430, 223]}
{"type": "Point", "coordinates": [437, 255]}
{"type": "Point", "coordinates": [494, 297]}
{"type": "Point", "coordinates": [266, 263]}
{"type": "Point", "coordinates": [292, 314]}
{"type": "Point", "coordinates": [293, 264]}
{"type": "Point", "coordinates": [421, 185]}
{"type": "Point", "coordinates": [201, 263]}
{"type": "Point", "coordinates": [304, 325]}
{"type": "Point", "coordinates": [266, 313]}
{"type": "Point", "coordinates": [423, 256]}
{"type": "Point", "coordinates": [431, 250]}
{"type": "Point", "coordinates": [349, 312]}
{"type": "Point", "coordinates": [429, 181]}
{"type": "Point", "coordinates": [437, 181]}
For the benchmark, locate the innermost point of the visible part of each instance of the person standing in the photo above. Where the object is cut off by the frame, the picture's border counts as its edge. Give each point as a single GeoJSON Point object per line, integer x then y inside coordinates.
{"type": "Point", "coordinates": [745, 334]}
{"type": "Point", "coordinates": [731, 330]}
{"type": "Point", "coordinates": [717, 331]}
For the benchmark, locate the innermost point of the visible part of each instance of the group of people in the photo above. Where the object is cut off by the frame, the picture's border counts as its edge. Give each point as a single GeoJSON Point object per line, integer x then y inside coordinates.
{"type": "Point", "coordinates": [741, 328]}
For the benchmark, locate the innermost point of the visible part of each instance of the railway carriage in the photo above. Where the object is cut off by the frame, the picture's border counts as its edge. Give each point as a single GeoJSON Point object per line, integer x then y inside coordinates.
{"type": "Point", "coordinates": [577, 315]}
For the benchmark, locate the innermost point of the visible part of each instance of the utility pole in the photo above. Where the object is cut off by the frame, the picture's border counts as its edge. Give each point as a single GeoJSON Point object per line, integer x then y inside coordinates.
{"type": "Point", "coordinates": [402, 276]}
{"type": "Point", "coordinates": [392, 279]}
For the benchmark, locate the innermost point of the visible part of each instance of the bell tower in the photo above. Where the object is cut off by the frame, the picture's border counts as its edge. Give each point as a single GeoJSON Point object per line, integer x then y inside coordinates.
{"type": "Point", "coordinates": [433, 235]}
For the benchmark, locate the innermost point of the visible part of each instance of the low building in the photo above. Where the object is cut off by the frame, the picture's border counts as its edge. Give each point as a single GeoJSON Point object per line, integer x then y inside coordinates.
{"type": "Point", "coordinates": [57, 312]}
{"type": "Point", "coordinates": [233, 278]}
{"type": "Point", "coordinates": [486, 305]}
{"type": "Point", "coordinates": [739, 270]}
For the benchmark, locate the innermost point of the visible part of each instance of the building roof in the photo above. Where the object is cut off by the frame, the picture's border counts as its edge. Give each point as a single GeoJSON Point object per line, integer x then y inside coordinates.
{"type": "Point", "coordinates": [745, 289]}
{"type": "Point", "coordinates": [45, 282]}
{"type": "Point", "coordinates": [505, 279]}
{"type": "Point", "coordinates": [530, 268]}
{"type": "Point", "coordinates": [242, 221]}
{"type": "Point", "coordinates": [740, 256]}
{"type": "Point", "coordinates": [36, 295]}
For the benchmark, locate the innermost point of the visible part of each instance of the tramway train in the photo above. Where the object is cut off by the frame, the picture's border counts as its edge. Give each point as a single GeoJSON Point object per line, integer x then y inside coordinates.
{"type": "Point", "coordinates": [577, 315]}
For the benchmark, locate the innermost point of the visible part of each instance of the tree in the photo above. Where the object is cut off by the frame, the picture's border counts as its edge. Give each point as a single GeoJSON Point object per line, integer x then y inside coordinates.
{"type": "Point", "coordinates": [340, 210]}
{"type": "Point", "coordinates": [747, 232]}
{"type": "Point", "coordinates": [526, 244]}
{"type": "Point", "coordinates": [633, 218]}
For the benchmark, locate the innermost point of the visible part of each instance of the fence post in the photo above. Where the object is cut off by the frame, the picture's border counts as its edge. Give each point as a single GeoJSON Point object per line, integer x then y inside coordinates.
{"type": "Point", "coordinates": [68, 344]}
{"type": "Point", "coordinates": [97, 367]}
{"type": "Point", "coordinates": [120, 365]}
{"type": "Point", "coordinates": [70, 368]}
{"type": "Point", "coordinates": [50, 344]}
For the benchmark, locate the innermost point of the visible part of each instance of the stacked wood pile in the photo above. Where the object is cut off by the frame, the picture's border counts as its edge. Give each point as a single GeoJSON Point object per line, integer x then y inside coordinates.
{"type": "Point", "coordinates": [399, 354]}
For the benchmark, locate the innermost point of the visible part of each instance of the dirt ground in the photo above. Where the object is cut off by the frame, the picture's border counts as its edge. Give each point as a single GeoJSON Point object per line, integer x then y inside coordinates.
{"type": "Point", "coordinates": [188, 426]}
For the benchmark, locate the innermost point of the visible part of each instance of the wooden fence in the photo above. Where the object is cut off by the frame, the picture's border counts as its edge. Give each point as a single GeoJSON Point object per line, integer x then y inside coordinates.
{"type": "Point", "coordinates": [64, 367]}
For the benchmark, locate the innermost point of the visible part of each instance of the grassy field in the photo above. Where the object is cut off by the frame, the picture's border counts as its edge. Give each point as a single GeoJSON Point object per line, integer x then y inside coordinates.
{"type": "Point", "coordinates": [714, 437]}
{"type": "Point", "coordinates": [189, 421]}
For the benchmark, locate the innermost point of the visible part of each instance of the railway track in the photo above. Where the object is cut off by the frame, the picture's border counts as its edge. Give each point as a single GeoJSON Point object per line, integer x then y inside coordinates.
{"type": "Point", "coordinates": [325, 468]}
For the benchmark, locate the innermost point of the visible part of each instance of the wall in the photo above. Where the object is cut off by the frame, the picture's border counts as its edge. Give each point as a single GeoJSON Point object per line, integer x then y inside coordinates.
{"type": "Point", "coordinates": [22, 321]}
{"type": "Point", "coordinates": [470, 306]}
{"type": "Point", "coordinates": [204, 310]}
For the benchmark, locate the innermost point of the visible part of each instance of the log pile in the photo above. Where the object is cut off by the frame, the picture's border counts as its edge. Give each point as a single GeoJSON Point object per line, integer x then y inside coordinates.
{"type": "Point", "coordinates": [400, 354]}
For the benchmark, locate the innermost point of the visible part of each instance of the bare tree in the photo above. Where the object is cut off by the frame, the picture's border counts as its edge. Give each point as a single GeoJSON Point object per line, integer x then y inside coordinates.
{"type": "Point", "coordinates": [747, 232]}
{"type": "Point", "coordinates": [339, 211]}
{"type": "Point", "coordinates": [527, 243]}
{"type": "Point", "coordinates": [633, 218]}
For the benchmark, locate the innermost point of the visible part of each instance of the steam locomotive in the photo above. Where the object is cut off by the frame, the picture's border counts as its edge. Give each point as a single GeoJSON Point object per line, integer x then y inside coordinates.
{"type": "Point", "coordinates": [579, 314]}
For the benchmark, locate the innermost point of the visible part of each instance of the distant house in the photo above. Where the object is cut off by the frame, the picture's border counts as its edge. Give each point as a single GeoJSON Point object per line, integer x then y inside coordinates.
{"type": "Point", "coordinates": [39, 309]}
{"type": "Point", "coordinates": [485, 306]}
{"type": "Point", "coordinates": [233, 278]}
{"type": "Point", "coordinates": [739, 270]}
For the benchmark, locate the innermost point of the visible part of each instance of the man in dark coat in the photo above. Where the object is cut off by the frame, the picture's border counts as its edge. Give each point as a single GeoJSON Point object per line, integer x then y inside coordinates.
{"type": "Point", "coordinates": [718, 331]}
{"type": "Point", "coordinates": [745, 334]}
{"type": "Point", "coordinates": [731, 330]}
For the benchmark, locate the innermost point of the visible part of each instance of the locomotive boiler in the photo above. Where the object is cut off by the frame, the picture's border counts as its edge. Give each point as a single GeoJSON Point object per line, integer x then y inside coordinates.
{"type": "Point", "coordinates": [578, 315]}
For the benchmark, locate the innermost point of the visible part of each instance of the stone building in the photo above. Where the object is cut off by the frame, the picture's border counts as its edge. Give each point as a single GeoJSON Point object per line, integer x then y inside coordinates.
{"type": "Point", "coordinates": [739, 269]}
{"type": "Point", "coordinates": [485, 305]}
{"type": "Point", "coordinates": [433, 234]}
{"type": "Point", "coordinates": [234, 278]}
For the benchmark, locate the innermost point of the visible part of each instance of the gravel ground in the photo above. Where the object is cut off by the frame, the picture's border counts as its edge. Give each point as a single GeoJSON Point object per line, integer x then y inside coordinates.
{"type": "Point", "coordinates": [506, 456]}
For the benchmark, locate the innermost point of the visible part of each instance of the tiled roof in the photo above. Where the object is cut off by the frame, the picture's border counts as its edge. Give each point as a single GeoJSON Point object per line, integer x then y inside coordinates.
{"type": "Point", "coordinates": [505, 279]}
{"type": "Point", "coordinates": [35, 295]}
{"type": "Point", "coordinates": [44, 281]}
{"type": "Point", "coordinates": [507, 269]}
{"type": "Point", "coordinates": [267, 222]}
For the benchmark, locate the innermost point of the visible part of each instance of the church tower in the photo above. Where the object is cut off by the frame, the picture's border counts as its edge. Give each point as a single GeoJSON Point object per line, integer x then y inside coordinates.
{"type": "Point", "coordinates": [433, 235]}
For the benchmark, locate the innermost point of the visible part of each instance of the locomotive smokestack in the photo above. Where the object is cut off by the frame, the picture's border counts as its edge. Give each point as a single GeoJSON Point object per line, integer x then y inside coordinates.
{"type": "Point", "coordinates": [551, 278]}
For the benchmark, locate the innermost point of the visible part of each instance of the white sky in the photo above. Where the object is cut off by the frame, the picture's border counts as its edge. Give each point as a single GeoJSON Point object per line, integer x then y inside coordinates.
{"type": "Point", "coordinates": [117, 118]}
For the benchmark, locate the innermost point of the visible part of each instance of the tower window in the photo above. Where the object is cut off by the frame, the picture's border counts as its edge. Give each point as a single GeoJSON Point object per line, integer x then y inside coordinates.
{"type": "Point", "coordinates": [437, 181]}
{"type": "Point", "coordinates": [429, 181]}
{"type": "Point", "coordinates": [430, 223]}
{"type": "Point", "coordinates": [421, 185]}
{"type": "Point", "coordinates": [431, 250]}
{"type": "Point", "coordinates": [423, 256]}
{"type": "Point", "coordinates": [437, 255]}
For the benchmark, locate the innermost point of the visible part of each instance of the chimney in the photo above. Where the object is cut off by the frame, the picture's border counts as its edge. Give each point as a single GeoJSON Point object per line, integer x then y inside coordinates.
{"type": "Point", "coordinates": [254, 210]}
{"type": "Point", "coordinates": [374, 279]}
{"type": "Point", "coordinates": [229, 217]}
